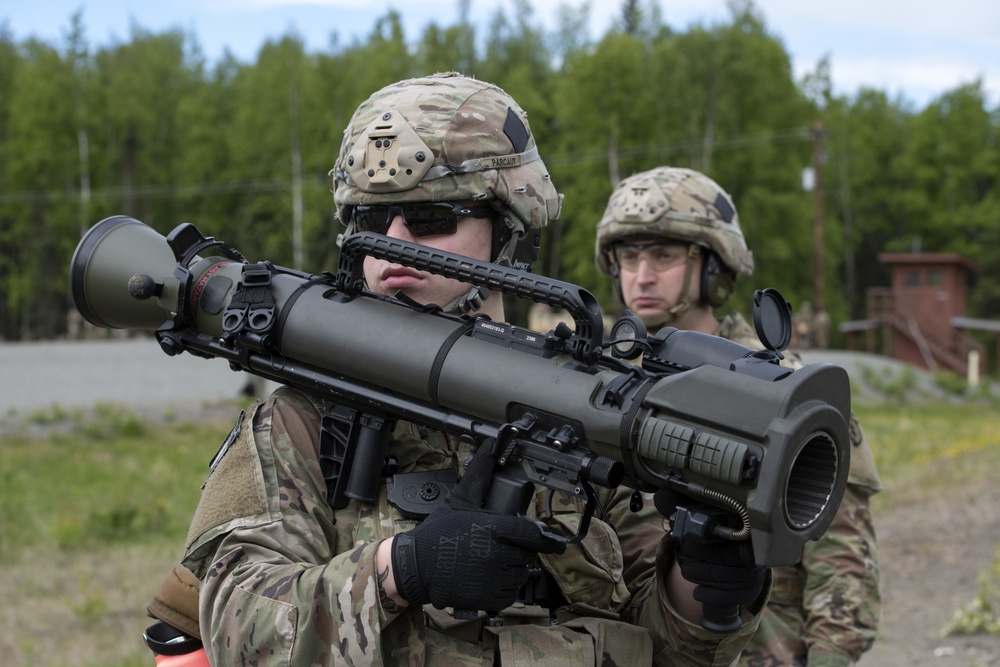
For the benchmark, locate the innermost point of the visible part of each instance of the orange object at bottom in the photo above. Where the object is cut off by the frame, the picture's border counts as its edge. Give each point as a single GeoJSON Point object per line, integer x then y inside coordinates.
{"type": "Point", "coordinates": [173, 648]}
{"type": "Point", "coordinates": [193, 659]}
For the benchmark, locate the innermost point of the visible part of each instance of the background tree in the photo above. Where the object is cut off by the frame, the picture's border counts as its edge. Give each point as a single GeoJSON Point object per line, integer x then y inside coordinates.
{"type": "Point", "coordinates": [868, 193]}
{"type": "Point", "coordinates": [604, 112]}
{"type": "Point", "coordinates": [517, 58]}
{"type": "Point", "coordinates": [442, 49]}
{"type": "Point", "coordinates": [41, 227]}
{"type": "Point", "coordinates": [209, 192]}
{"type": "Point", "coordinates": [143, 82]}
{"type": "Point", "coordinates": [147, 128]}
{"type": "Point", "coordinates": [9, 61]}
{"type": "Point", "coordinates": [952, 158]}
{"type": "Point", "coordinates": [264, 134]}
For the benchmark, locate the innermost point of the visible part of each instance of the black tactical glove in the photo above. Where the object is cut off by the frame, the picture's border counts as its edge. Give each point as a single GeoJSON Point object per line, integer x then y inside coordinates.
{"type": "Point", "coordinates": [465, 557]}
{"type": "Point", "coordinates": [724, 570]}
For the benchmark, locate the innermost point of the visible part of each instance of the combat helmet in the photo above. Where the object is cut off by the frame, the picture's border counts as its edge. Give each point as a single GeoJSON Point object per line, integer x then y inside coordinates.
{"type": "Point", "coordinates": [448, 137]}
{"type": "Point", "coordinates": [677, 204]}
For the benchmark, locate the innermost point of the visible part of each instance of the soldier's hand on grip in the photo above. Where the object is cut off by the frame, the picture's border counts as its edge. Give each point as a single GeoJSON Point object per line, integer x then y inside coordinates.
{"type": "Point", "coordinates": [465, 557]}
{"type": "Point", "coordinates": [724, 571]}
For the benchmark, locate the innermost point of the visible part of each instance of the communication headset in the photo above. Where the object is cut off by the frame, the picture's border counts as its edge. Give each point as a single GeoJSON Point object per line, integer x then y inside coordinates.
{"type": "Point", "coordinates": [526, 246]}
{"type": "Point", "coordinates": [717, 282]}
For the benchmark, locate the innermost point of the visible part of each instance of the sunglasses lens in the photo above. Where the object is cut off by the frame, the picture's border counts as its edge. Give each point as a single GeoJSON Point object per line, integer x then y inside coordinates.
{"type": "Point", "coordinates": [430, 219]}
{"type": "Point", "coordinates": [421, 219]}
{"type": "Point", "coordinates": [372, 218]}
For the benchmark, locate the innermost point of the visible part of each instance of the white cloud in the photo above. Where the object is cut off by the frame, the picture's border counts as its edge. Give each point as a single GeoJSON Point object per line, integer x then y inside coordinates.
{"type": "Point", "coordinates": [918, 48]}
{"type": "Point", "coordinates": [925, 76]}
{"type": "Point", "coordinates": [290, 5]}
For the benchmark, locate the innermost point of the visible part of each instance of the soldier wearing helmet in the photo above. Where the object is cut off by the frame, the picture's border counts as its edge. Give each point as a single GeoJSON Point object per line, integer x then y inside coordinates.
{"type": "Point", "coordinates": [447, 162]}
{"type": "Point", "coordinates": [459, 142]}
{"type": "Point", "coordinates": [671, 240]}
{"type": "Point", "coordinates": [681, 223]}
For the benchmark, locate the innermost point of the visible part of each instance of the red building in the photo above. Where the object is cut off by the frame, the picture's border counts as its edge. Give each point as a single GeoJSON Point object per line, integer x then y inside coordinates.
{"type": "Point", "coordinates": [921, 316]}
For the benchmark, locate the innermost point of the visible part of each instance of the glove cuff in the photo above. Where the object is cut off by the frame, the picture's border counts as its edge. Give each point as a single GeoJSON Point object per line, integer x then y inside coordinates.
{"type": "Point", "coordinates": [404, 570]}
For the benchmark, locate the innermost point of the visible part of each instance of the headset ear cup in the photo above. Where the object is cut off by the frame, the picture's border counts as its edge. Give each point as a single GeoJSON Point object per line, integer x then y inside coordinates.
{"type": "Point", "coordinates": [526, 249]}
{"type": "Point", "coordinates": [722, 289]}
{"type": "Point", "coordinates": [716, 282]}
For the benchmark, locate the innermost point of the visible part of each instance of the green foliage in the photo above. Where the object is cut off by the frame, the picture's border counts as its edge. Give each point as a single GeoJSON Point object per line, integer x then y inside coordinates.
{"type": "Point", "coordinates": [120, 479]}
{"type": "Point", "coordinates": [54, 414]}
{"type": "Point", "coordinates": [144, 127]}
{"type": "Point", "coordinates": [895, 386]}
{"type": "Point", "coordinates": [951, 383]}
{"type": "Point", "coordinates": [954, 162]}
{"type": "Point", "coordinates": [981, 614]}
{"type": "Point", "coordinates": [985, 299]}
{"type": "Point", "coordinates": [454, 47]}
{"type": "Point", "coordinates": [866, 192]}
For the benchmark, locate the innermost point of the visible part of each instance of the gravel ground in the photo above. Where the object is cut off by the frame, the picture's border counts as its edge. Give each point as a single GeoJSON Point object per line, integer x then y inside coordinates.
{"type": "Point", "coordinates": [135, 372]}
{"type": "Point", "coordinates": [132, 372]}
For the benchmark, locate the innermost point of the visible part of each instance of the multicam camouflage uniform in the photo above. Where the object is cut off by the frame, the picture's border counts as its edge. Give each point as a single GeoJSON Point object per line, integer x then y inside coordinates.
{"type": "Point", "coordinates": [287, 580]}
{"type": "Point", "coordinates": [824, 611]}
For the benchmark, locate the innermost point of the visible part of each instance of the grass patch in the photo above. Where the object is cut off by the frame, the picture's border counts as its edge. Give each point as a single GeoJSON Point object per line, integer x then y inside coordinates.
{"type": "Point", "coordinates": [923, 448]}
{"type": "Point", "coordinates": [94, 512]}
{"type": "Point", "coordinates": [94, 509]}
{"type": "Point", "coordinates": [981, 615]}
{"type": "Point", "coordinates": [110, 478]}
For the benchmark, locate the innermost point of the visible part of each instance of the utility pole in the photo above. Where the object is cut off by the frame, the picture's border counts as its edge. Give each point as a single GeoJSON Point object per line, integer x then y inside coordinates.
{"type": "Point", "coordinates": [818, 159]}
{"type": "Point", "coordinates": [298, 259]}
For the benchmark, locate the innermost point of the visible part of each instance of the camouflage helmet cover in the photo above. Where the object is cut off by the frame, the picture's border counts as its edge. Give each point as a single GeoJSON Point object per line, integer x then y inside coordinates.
{"type": "Point", "coordinates": [674, 203]}
{"type": "Point", "coordinates": [444, 137]}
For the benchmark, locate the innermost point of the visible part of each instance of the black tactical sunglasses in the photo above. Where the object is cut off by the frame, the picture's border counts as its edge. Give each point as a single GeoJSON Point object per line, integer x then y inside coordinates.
{"type": "Point", "coordinates": [422, 219]}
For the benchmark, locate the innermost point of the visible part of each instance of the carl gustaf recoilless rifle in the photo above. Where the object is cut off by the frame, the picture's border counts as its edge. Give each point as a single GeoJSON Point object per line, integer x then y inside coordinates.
{"type": "Point", "coordinates": [762, 449]}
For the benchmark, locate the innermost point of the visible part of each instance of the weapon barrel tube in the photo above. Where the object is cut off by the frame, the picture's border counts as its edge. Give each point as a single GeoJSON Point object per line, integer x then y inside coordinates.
{"type": "Point", "coordinates": [780, 447]}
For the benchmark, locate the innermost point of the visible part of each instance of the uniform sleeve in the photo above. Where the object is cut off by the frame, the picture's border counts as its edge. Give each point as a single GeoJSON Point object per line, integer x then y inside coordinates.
{"type": "Point", "coordinates": [842, 601]}
{"type": "Point", "coordinates": [277, 587]}
{"type": "Point", "coordinates": [841, 597]}
{"type": "Point", "coordinates": [649, 555]}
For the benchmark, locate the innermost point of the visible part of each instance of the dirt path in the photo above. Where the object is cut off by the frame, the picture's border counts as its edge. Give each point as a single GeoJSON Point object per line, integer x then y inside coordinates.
{"type": "Point", "coordinates": [931, 554]}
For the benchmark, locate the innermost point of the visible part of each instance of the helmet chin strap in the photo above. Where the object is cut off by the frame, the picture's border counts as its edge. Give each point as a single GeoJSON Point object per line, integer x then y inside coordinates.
{"type": "Point", "coordinates": [470, 302]}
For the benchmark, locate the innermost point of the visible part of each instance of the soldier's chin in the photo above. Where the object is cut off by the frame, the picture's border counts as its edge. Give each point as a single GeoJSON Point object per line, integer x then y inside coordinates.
{"type": "Point", "coordinates": [652, 316]}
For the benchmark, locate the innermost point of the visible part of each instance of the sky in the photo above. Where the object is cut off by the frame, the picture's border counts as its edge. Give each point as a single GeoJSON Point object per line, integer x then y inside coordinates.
{"type": "Point", "coordinates": [912, 49]}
